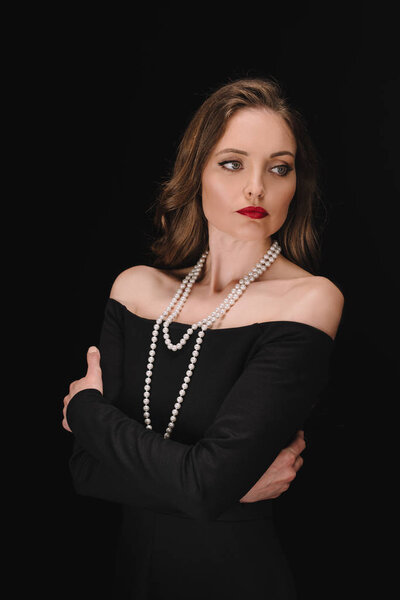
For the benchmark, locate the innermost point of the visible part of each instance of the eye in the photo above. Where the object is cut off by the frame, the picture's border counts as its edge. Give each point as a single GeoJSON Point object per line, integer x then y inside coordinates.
{"type": "Point", "coordinates": [237, 164]}
{"type": "Point", "coordinates": [283, 170]}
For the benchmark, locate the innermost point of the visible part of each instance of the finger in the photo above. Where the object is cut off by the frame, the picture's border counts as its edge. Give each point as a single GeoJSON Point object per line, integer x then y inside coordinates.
{"type": "Point", "coordinates": [295, 449]}
{"type": "Point", "coordinates": [66, 426]}
{"type": "Point", "coordinates": [93, 359]}
{"type": "Point", "coordinates": [298, 445]}
{"type": "Point", "coordinates": [298, 463]}
{"type": "Point", "coordinates": [290, 475]}
{"type": "Point", "coordinates": [300, 436]}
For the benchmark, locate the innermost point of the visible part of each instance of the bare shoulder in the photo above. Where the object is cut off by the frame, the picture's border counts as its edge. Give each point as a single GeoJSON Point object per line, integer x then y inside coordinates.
{"type": "Point", "coordinates": [130, 283]}
{"type": "Point", "coordinates": [319, 302]}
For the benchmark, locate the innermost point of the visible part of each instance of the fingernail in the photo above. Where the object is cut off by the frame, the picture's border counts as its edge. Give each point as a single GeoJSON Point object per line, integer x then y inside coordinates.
{"type": "Point", "coordinates": [92, 349]}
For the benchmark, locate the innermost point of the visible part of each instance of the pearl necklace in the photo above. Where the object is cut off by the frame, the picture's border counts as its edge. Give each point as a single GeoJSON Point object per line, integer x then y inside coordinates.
{"type": "Point", "coordinates": [185, 287]}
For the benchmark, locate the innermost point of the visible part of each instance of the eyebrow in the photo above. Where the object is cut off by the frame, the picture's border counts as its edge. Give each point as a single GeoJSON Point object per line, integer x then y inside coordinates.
{"type": "Point", "coordinates": [280, 153]}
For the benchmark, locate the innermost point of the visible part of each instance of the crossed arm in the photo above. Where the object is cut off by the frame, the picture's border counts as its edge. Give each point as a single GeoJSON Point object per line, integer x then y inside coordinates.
{"type": "Point", "coordinates": [239, 457]}
{"type": "Point", "coordinates": [275, 481]}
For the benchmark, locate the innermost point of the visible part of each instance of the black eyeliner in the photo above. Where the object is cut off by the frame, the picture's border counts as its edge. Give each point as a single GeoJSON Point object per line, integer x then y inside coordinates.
{"type": "Point", "coordinates": [287, 167]}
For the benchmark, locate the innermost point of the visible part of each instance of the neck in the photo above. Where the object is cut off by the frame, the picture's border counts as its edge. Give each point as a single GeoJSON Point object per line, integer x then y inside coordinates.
{"type": "Point", "coordinates": [228, 260]}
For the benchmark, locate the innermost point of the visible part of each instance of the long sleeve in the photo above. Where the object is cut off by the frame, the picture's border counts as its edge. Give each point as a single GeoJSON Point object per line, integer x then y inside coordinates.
{"type": "Point", "coordinates": [118, 459]}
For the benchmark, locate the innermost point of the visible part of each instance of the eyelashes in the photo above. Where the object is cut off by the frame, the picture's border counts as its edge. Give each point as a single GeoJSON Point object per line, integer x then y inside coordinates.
{"type": "Point", "coordinates": [286, 168]}
{"type": "Point", "coordinates": [229, 162]}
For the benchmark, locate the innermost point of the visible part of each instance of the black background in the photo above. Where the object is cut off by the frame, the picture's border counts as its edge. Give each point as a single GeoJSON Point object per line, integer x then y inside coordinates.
{"type": "Point", "coordinates": [105, 97]}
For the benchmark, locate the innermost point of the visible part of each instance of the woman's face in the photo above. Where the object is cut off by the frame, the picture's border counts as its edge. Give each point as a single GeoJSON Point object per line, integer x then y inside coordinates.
{"type": "Point", "coordinates": [242, 171]}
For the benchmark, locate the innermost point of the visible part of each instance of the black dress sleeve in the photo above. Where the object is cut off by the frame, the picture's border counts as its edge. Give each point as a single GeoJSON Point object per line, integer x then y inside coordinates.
{"type": "Point", "coordinates": [116, 458]}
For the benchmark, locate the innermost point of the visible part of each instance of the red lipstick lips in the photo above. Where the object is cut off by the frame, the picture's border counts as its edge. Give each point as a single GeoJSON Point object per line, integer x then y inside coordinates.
{"type": "Point", "coordinates": [254, 212]}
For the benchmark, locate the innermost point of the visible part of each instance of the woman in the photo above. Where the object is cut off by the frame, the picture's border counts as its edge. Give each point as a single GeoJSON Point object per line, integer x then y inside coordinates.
{"type": "Point", "coordinates": [247, 333]}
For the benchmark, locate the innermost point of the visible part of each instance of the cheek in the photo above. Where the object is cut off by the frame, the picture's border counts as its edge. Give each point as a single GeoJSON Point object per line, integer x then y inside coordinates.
{"type": "Point", "coordinates": [284, 195]}
{"type": "Point", "coordinates": [293, 185]}
{"type": "Point", "coordinates": [278, 203]}
{"type": "Point", "coordinates": [218, 194]}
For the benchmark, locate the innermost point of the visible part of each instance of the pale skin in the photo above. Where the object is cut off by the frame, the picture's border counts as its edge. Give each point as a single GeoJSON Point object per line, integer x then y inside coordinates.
{"type": "Point", "coordinates": [285, 291]}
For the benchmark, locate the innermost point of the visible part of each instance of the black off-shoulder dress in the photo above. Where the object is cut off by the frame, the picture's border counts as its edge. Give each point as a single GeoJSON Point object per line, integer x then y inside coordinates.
{"type": "Point", "coordinates": [185, 535]}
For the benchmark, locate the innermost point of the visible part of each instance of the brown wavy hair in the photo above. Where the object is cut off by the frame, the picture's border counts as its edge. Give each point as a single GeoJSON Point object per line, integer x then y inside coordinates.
{"type": "Point", "coordinates": [181, 230]}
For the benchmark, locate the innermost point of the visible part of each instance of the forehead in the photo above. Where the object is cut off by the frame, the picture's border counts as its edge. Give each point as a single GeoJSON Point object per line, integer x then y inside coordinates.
{"type": "Point", "coordinates": [257, 129]}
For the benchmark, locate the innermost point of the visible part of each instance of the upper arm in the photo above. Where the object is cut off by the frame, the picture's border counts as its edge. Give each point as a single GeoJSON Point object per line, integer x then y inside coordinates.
{"type": "Point", "coordinates": [321, 305]}
{"type": "Point", "coordinates": [129, 283]}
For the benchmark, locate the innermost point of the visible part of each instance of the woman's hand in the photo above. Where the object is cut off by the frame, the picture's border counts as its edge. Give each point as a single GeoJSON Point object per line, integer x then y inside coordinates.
{"type": "Point", "coordinates": [92, 379]}
{"type": "Point", "coordinates": [278, 477]}
{"type": "Point", "coordinates": [273, 482]}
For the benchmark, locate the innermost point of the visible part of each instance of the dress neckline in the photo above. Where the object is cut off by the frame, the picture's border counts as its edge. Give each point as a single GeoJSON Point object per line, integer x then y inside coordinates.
{"type": "Point", "coordinates": [177, 324]}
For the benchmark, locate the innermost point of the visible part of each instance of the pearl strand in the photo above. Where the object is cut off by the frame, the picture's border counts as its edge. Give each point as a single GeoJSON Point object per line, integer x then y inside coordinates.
{"type": "Point", "coordinates": [184, 291]}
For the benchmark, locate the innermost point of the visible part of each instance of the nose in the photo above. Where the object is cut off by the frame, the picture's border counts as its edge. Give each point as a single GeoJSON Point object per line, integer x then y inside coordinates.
{"type": "Point", "coordinates": [252, 197]}
{"type": "Point", "coordinates": [254, 190]}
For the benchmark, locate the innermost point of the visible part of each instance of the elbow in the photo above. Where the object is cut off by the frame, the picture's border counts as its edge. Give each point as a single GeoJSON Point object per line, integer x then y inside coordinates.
{"type": "Point", "coordinates": [78, 484]}
{"type": "Point", "coordinates": [78, 487]}
{"type": "Point", "coordinates": [79, 474]}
